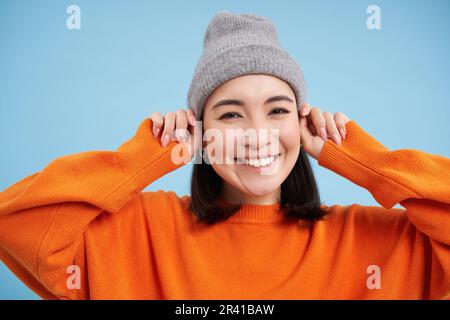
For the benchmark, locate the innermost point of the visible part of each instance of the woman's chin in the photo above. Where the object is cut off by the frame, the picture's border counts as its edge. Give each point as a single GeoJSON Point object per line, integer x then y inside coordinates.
{"type": "Point", "coordinates": [257, 184]}
{"type": "Point", "coordinates": [258, 189]}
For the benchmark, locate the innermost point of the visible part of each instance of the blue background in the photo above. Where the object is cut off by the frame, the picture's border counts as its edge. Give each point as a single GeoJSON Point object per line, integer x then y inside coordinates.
{"type": "Point", "coordinates": [66, 91]}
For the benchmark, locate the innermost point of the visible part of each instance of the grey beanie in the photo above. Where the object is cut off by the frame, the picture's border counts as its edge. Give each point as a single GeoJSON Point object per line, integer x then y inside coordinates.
{"type": "Point", "coordinates": [236, 45]}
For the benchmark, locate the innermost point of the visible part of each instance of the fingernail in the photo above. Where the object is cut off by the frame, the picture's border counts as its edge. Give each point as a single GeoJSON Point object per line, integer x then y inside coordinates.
{"type": "Point", "coordinates": [304, 111]}
{"type": "Point", "coordinates": [337, 139]}
{"type": "Point", "coordinates": [192, 120]}
{"type": "Point", "coordinates": [181, 137]}
{"type": "Point", "coordinates": [156, 132]}
{"type": "Point", "coordinates": [342, 133]}
{"type": "Point", "coordinates": [165, 140]}
{"type": "Point", "coordinates": [323, 134]}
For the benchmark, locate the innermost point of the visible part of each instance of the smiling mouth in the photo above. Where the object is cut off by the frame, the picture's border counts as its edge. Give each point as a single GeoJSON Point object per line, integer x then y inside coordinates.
{"type": "Point", "coordinates": [258, 162]}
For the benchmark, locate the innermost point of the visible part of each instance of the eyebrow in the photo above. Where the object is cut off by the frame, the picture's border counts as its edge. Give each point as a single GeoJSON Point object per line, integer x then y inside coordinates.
{"type": "Point", "coordinates": [241, 103]}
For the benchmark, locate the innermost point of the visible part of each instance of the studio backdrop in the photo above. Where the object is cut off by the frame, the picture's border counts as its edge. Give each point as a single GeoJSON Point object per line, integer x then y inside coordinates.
{"type": "Point", "coordinates": [81, 75]}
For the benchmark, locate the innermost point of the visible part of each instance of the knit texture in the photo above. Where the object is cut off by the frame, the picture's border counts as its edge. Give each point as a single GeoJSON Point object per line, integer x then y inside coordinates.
{"type": "Point", "coordinates": [89, 210]}
{"type": "Point", "coordinates": [236, 45]}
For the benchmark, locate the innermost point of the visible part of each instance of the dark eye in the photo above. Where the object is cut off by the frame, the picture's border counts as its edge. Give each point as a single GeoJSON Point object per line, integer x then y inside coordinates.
{"type": "Point", "coordinates": [279, 111]}
{"type": "Point", "coordinates": [229, 115]}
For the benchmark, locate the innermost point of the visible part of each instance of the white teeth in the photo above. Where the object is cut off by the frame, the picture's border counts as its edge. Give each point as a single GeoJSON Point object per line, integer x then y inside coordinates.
{"type": "Point", "coordinates": [259, 162]}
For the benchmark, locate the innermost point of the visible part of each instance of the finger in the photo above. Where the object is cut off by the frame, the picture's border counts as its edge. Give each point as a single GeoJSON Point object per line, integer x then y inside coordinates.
{"type": "Point", "coordinates": [310, 125]}
{"type": "Point", "coordinates": [341, 119]}
{"type": "Point", "coordinates": [157, 123]}
{"type": "Point", "coordinates": [195, 136]}
{"type": "Point", "coordinates": [305, 132]}
{"type": "Point", "coordinates": [313, 129]}
{"type": "Point", "coordinates": [191, 116]}
{"type": "Point", "coordinates": [192, 142]}
{"type": "Point", "coordinates": [169, 125]}
{"type": "Point", "coordinates": [319, 122]}
{"type": "Point", "coordinates": [306, 108]}
{"type": "Point", "coordinates": [332, 128]}
{"type": "Point", "coordinates": [181, 125]}
{"type": "Point", "coordinates": [195, 133]}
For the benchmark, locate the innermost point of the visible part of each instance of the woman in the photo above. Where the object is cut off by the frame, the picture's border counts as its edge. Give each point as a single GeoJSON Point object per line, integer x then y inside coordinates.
{"type": "Point", "coordinates": [253, 227]}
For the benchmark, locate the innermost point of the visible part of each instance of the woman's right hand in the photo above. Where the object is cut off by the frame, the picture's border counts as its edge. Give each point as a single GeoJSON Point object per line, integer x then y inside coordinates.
{"type": "Point", "coordinates": [176, 126]}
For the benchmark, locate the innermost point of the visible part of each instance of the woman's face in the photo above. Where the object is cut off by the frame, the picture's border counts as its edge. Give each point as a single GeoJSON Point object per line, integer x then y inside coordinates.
{"type": "Point", "coordinates": [259, 114]}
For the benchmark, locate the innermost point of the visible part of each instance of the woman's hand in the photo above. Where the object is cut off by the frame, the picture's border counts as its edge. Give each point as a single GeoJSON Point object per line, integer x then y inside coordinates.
{"type": "Point", "coordinates": [316, 126]}
{"type": "Point", "coordinates": [176, 126]}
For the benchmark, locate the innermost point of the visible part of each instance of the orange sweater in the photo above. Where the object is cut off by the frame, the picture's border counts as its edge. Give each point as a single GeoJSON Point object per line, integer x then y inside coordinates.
{"type": "Point", "coordinates": [89, 210]}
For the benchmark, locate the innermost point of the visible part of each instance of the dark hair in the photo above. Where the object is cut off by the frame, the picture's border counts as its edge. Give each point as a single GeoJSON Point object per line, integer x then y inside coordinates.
{"type": "Point", "coordinates": [299, 193]}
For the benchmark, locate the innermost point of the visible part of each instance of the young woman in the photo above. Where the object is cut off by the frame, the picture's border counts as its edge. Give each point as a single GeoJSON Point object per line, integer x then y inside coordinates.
{"type": "Point", "coordinates": [253, 226]}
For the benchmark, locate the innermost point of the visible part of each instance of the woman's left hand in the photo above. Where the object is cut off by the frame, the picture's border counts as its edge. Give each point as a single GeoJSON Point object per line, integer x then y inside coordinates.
{"type": "Point", "coordinates": [316, 126]}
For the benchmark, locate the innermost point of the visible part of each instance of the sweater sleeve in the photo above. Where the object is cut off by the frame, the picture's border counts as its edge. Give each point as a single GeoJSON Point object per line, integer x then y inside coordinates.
{"type": "Point", "coordinates": [416, 180]}
{"type": "Point", "coordinates": [61, 201]}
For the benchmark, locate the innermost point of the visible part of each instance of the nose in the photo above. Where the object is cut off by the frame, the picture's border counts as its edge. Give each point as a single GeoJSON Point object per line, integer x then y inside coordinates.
{"type": "Point", "coordinates": [260, 138]}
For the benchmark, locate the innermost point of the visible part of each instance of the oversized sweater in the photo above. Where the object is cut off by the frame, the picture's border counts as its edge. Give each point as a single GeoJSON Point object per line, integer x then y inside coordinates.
{"type": "Point", "coordinates": [86, 215]}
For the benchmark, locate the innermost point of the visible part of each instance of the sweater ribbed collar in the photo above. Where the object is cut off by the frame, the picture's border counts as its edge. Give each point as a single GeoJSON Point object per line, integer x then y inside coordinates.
{"type": "Point", "coordinates": [255, 213]}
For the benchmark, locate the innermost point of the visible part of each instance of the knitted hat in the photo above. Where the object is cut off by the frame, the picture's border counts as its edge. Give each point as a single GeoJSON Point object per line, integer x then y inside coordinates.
{"type": "Point", "coordinates": [236, 45]}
